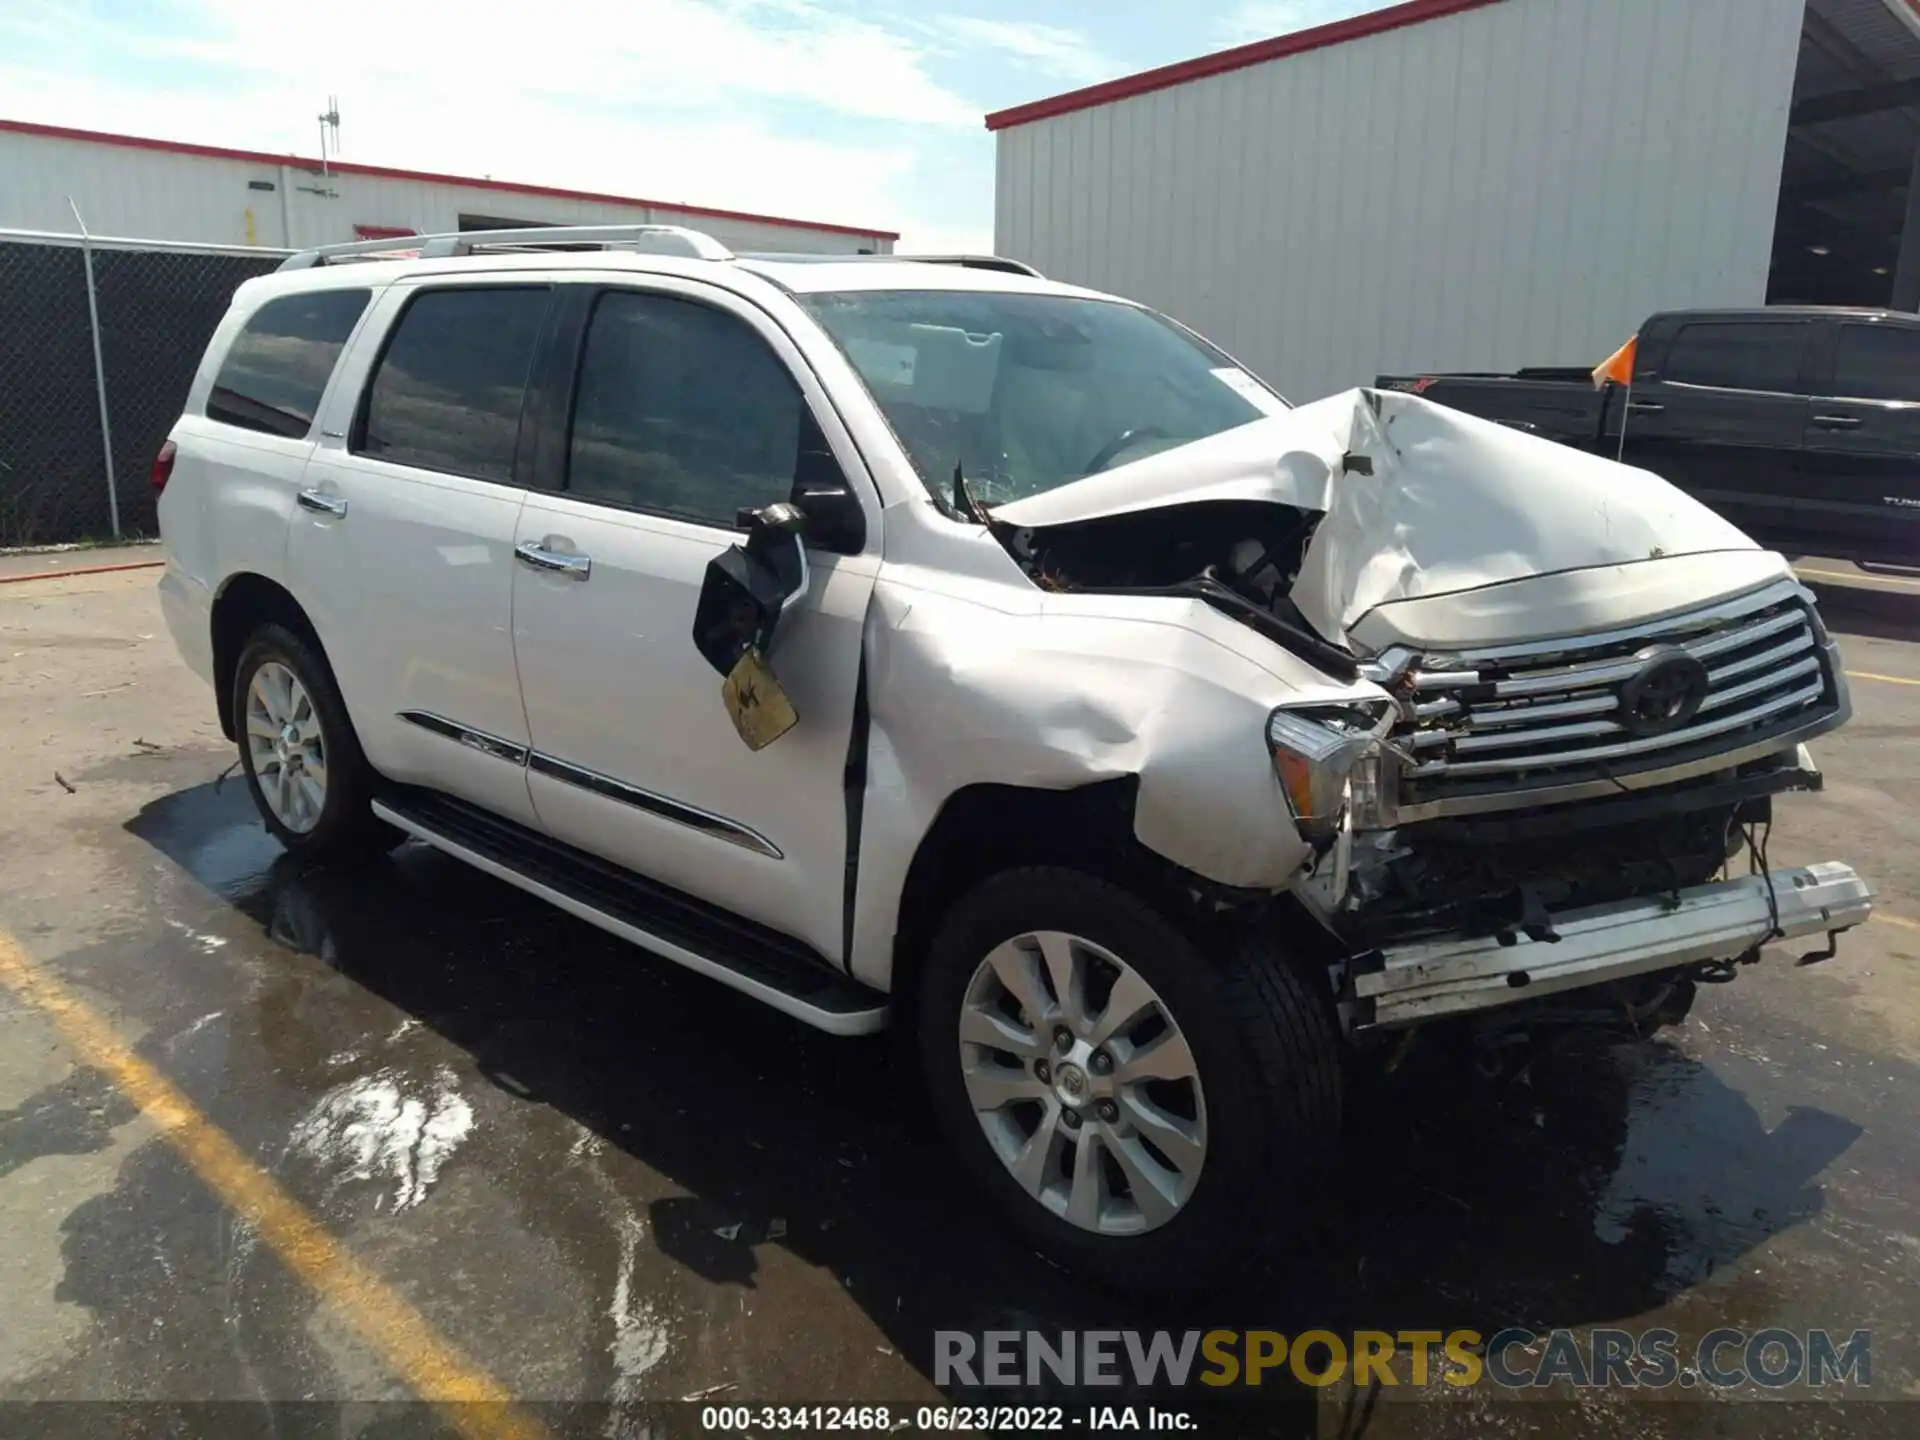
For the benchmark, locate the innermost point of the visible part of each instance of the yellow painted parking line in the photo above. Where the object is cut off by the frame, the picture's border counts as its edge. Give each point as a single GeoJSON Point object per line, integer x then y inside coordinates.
{"type": "Point", "coordinates": [1900, 920]}
{"type": "Point", "coordinates": [1883, 679]}
{"type": "Point", "coordinates": [472, 1402]}
{"type": "Point", "coordinates": [1860, 577]}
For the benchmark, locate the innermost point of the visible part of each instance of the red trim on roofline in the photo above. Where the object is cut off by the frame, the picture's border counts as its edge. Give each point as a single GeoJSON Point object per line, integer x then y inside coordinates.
{"type": "Point", "coordinates": [386, 172]}
{"type": "Point", "coordinates": [1340, 32]}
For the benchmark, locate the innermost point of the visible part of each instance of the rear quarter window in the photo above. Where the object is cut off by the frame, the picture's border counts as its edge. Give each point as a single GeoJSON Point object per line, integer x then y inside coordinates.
{"type": "Point", "coordinates": [1877, 362]}
{"type": "Point", "coordinates": [280, 362]}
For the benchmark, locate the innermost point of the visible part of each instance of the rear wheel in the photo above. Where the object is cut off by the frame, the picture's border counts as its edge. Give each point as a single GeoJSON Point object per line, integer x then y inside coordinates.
{"type": "Point", "coordinates": [1136, 1110]}
{"type": "Point", "coordinates": [309, 780]}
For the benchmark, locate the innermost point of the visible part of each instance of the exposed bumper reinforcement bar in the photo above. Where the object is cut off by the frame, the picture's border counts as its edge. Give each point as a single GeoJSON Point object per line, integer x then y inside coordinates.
{"type": "Point", "coordinates": [1411, 983]}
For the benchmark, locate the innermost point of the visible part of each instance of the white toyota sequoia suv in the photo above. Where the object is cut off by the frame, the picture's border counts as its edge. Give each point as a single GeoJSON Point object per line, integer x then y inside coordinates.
{"type": "Point", "coordinates": [926, 641]}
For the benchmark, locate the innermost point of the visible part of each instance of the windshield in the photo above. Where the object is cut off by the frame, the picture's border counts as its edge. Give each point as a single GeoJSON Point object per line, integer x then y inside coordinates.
{"type": "Point", "coordinates": [1028, 392]}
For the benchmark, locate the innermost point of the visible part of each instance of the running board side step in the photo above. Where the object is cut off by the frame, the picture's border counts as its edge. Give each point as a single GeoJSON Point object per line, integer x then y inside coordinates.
{"type": "Point", "coordinates": [774, 969]}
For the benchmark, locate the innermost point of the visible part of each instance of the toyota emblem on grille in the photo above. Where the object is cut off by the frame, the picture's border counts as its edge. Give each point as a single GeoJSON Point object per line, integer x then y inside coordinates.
{"type": "Point", "coordinates": [1666, 693]}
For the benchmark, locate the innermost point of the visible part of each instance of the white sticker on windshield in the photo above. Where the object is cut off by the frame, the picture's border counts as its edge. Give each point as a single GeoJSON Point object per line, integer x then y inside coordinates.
{"type": "Point", "coordinates": [881, 363]}
{"type": "Point", "coordinates": [1250, 390]}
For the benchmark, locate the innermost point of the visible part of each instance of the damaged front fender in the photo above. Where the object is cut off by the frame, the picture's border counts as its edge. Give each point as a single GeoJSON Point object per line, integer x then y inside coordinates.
{"type": "Point", "coordinates": [1073, 690]}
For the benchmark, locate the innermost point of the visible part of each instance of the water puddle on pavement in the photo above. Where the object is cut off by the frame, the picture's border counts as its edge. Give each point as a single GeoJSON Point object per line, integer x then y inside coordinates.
{"type": "Point", "coordinates": [588, 1124]}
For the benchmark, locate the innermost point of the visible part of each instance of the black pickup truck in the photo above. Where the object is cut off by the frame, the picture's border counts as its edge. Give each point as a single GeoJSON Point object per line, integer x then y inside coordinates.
{"type": "Point", "coordinates": [1802, 426]}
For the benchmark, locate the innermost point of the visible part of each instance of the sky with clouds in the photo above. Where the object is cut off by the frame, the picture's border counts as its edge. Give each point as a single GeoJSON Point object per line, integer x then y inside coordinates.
{"type": "Point", "coordinates": [861, 111]}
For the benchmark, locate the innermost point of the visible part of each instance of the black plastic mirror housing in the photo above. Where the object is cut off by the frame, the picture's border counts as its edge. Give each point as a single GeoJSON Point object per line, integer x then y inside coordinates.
{"type": "Point", "coordinates": [835, 521]}
{"type": "Point", "coordinates": [739, 608]}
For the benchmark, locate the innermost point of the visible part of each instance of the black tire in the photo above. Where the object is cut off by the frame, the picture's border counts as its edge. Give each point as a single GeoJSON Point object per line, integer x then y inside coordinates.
{"type": "Point", "coordinates": [1266, 1047]}
{"type": "Point", "coordinates": [347, 828]}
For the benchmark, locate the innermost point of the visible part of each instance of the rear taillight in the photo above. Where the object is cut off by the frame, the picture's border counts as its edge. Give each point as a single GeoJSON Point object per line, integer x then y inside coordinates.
{"type": "Point", "coordinates": [163, 467]}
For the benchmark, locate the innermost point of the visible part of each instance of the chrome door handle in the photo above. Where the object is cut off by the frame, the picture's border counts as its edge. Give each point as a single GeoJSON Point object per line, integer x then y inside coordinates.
{"type": "Point", "coordinates": [1646, 407]}
{"type": "Point", "coordinates": [574, 567]}
{"type": "Point", "coordinates": [322, 502]}
{"type": "Point", "coordinates": [1837, 422]}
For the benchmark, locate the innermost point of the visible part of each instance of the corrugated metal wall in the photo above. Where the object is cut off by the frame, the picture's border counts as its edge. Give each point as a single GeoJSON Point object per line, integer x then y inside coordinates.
{"type": "Point", "coordinates": [165, 195]}
{"type": "Point", "coordinates": [1515, 185]}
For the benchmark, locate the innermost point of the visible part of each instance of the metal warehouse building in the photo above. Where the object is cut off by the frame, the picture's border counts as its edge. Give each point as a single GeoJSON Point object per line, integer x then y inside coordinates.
{"type": "Point", "coordinates": [206, 194]}
{"type": "Point", "coordinates": [1485, 184]}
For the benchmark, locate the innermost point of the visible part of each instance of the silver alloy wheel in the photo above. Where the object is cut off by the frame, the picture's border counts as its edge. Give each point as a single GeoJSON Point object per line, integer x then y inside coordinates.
{"type": "Point", "coordinates": [287, 747]}
{"type": "Point", "coordinates": [1085, 1086]}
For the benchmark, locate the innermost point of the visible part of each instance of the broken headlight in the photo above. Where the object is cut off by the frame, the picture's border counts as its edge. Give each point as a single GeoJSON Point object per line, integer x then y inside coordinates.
{"type": "Point", "coordinates": [1317, 750]}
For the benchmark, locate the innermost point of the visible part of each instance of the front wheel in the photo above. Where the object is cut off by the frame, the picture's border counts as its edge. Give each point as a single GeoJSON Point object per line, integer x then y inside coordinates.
{"type": "Point", "coordinates": [309, 779]}
{"type": "Point", "coordinates": [1139, 1111]}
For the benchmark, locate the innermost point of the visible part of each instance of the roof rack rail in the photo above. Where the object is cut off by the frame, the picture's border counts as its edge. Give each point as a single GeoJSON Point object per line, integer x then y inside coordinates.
{"type": "Point", "coordinates": [651, 239]}
{"type": "Point", "coordinates": [971, 262]}
{"type": "Point", "coordinates": [975, 262]}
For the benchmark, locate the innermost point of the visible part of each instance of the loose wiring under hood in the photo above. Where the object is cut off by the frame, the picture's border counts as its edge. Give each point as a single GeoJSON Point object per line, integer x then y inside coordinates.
{"type": "Point", "coordinates": [1240, 557]}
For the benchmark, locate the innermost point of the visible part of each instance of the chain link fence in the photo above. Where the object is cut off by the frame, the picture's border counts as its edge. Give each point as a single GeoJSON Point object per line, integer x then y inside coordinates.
{"type": "Point", "coordinates": [158, 305]}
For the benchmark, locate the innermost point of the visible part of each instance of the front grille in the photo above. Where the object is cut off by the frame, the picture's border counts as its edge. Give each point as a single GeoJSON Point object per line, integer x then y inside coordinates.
{"type": "Point", "coordinates": [1543, 714]}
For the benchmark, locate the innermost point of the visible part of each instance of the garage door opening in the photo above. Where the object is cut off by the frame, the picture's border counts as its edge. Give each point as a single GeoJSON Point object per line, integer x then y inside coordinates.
{"type": "Point", "coordinates": [1850, 186]}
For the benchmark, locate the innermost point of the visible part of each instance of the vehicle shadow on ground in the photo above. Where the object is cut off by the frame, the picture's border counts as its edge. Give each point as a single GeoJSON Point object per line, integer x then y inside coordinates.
{"type": "Point", "coordinates": [1610, 1180]}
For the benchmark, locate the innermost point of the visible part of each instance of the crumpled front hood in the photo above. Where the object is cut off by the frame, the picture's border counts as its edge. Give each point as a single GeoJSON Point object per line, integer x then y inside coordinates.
{"type": "Point", "coordinates": [1419, 500]}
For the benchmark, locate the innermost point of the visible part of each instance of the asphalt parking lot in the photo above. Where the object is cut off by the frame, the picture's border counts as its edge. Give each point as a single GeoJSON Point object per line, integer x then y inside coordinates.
{"type": "Point", "coordinates": [268, 1135]}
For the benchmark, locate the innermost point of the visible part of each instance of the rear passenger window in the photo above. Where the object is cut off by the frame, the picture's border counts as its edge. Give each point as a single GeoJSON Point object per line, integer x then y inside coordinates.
{"type": "Point", "coordinates": [681, 409]}
{"type": "Point", "coordinates": [1763, 356]}
{"type": "Point", "coordinates": [448, 391]}
{"type": "Point", "coordinates": [1877, 362]}
{"type": "Point", "coordinates": [281, 360]}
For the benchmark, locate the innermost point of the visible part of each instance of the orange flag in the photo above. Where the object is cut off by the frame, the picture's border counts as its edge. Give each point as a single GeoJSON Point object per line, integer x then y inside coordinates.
{"type": "Point", "coordinates": [1617, 367]}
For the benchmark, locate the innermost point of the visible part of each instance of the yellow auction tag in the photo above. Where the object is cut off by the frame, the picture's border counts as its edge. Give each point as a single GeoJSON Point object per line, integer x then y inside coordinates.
{"type": "Point", "coordinates": [759, 708]}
